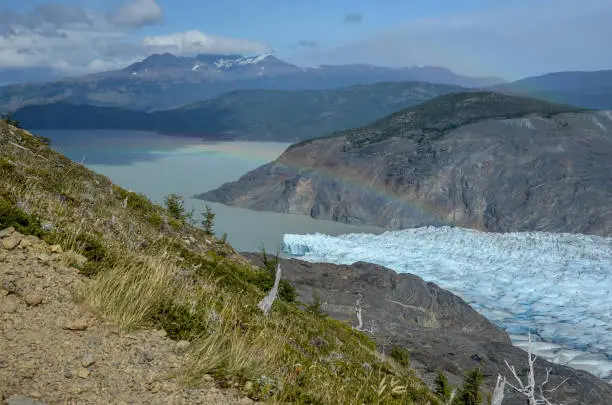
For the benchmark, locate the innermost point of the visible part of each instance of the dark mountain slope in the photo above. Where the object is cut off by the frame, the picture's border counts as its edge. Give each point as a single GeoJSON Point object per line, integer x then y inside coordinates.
{"type": "Point", "coordinates": [253, 114]}
{"type": "Point", "coordinates": [587, 89]}
{"type": "Point", "coordinates": [480, 160]}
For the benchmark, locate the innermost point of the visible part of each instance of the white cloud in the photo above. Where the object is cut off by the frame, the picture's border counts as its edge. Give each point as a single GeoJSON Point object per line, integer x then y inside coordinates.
{"type": "Point", "coordinates": [191, 42]}
{"type": "Point", "coordinates": [73, 41]}
{"type": "Point", "coordinates": [136, 14]}
{"type": "Point", "coordinates": [513, 42]}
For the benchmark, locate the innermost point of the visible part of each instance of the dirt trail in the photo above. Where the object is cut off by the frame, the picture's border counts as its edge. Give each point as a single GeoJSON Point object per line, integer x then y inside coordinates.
{"type": "Point", "coordinates": [55, 351]}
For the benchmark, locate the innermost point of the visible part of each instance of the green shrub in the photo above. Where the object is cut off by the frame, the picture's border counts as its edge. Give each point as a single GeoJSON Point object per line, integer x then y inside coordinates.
{"type": "Point", "coordinates": [442, 389]}
{"type": "Point", "coordinates": [181, 322]}
{"type": "Point", "coordinates": [11, 215]}
{"type": "Point", "coordinates": [401, 355]}
{"type": "Point", "coordinates": [469, 394]}
{"type": "Point", "coordinates": [317, 305]}
{"type": "Point", "coordinates": [175, 206]}
{"type": "Point", "coordinates": [93, 249]}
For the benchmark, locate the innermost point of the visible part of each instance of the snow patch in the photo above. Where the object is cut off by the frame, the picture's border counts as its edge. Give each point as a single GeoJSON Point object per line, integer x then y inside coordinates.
{"type": "Point", "coordinates": [556, 286]}
{"type": "Point", "coordinates": [252, 60]}
{"type": "Point", "coordinates": [224, 63]}
{"type": "Point", "coordinates": [229, 63]}
{"type": "Point", "coordinates": [196, 67]}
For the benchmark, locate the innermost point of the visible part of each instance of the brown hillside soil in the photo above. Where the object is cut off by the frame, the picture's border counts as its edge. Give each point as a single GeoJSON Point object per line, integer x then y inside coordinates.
{"type": "Point", "coordinates": [53, 350]}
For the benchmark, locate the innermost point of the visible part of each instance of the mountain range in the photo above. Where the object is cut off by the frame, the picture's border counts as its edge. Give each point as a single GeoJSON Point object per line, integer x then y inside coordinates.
{"type": "Point", "coordinates": [586, 89]}
{"type": "Point", "coordinates": [164, 81]}
{"type": "Point", "coordinates": [247, 114]}
{"type": "Point", "coordinates": [481, 160]}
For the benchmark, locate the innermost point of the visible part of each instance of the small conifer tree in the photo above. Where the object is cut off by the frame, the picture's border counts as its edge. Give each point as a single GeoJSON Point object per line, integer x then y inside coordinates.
{"type": "Point", "coordinates": [469, 394]}
{"type": "Point", "coordinates": [175, 206]}
{"type": "Point", "coordinates": [442, 389]}
{"type": "Point", "coordinates": [208, 220]}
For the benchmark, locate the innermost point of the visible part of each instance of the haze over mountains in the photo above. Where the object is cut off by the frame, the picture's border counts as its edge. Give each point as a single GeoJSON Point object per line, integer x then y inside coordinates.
{"type": "Point", "coordinates": [247, 114]}
{"type": "Point", "coordinates": [164, 81]}
{"type": "Point", "coordinates": [262, 97]}
{"type": "Point", "coordinates": [586, 89]}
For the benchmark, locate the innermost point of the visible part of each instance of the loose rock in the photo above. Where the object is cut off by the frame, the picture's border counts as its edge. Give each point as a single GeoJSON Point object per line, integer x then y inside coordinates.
{"type": "Point", "coordinates": [6, 232]}
{"type": "Point", "coordinates": [33, 299]}
{"type": "Point", "coordinates": [182, 345]}
{"type": "Point", "coordinates": [76, 325]}
{"type": "Point", "coordinates": [8, 307]}
{"type": "Point", "coordinates": [144, 356]}
{"type": "Point", "coordinates": [21, 400]}
{"type": "Point", "coordinates": [87, 360]}
{"type": "Point", "coordinates": [83, 373]}
{"type": "Point", "coordinates": [43, 258]}
{"type": "Point", "coordinates": [11, 242]}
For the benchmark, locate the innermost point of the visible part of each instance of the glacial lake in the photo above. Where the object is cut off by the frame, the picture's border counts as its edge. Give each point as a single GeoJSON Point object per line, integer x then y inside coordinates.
{"type": "Point", "coordinates": [157, 165]}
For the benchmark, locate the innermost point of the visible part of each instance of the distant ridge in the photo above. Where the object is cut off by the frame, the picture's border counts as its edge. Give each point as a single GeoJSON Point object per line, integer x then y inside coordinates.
{"type": "Point", "coordinates": [591, 89]}
{"type": "Point", "coordinates": [247, 114]}
{"type": "Point", "coordinates": [164, 81]}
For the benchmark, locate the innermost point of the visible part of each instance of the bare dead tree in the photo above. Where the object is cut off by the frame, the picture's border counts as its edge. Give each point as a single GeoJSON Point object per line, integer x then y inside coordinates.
{"type": "Point", "coordinates": [535, 395]}
{"type": "Point", "coordinates": [498, 393]}
{"type": "Point", "coordinates": [359, 312]}
{"type": "Point", "coordinates": [266, 304]}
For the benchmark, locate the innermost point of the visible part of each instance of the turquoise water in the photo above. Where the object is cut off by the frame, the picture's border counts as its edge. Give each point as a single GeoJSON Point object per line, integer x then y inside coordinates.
{"type": "Point", "coordinates": [157, 165]}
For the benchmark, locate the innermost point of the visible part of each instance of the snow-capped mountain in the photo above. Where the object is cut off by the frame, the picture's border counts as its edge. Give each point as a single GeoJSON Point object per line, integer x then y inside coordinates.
{"type": "Point", "coordinates": [214, 67]}
{"type": "Point", "coordinates": [163, 81]}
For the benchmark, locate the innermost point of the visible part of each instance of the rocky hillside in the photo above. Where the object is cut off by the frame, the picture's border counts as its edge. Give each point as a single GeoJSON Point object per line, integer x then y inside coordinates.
{"type": "Point", "coordinates": [250, 114]}
{"type": "Point", "coordinates": [440, 330]}
{"type": "Point", "coordinates": [185, 304]}
{"type": "Point", "coordinates": [480, 160]}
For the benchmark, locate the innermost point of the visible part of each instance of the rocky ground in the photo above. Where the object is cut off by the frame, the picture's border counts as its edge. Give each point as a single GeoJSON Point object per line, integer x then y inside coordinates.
{"type": "Point", "coordinates": [53, 350]}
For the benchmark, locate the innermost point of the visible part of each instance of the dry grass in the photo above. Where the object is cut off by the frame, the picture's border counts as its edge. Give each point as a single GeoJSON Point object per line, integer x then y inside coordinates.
{"type": "Point", "coordinates": [132, 291]}
{"type": "Point", "coordinates": [150, 271]}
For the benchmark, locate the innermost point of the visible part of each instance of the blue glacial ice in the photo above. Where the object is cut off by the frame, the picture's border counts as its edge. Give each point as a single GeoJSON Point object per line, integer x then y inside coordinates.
{"type": "Point", "coordinates": [556, 286]}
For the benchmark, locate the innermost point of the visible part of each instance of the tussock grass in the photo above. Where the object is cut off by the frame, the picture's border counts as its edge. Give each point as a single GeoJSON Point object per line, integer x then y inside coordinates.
{"type": "Point", "coordinates": [132, 291]}
{"type": "Point", "coordinates": [150, 269]}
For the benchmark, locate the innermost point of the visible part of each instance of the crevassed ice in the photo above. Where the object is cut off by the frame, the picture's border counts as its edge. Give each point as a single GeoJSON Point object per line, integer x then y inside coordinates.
{"type": "Point", "coordinates": [556, 286]}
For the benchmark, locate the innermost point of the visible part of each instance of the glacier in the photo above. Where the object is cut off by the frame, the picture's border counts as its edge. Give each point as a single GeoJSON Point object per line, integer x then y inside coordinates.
{"type": "Point", "coordinates": [556, 287]}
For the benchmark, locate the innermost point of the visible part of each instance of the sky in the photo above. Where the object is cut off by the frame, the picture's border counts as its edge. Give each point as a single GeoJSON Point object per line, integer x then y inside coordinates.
{"type": "Point", "coordinates": [509, 39]}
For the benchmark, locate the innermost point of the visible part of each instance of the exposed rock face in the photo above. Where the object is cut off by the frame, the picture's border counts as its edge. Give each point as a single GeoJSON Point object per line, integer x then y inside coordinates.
{"type": "Point", "coordinates": [441, 330]}
{"type": "Point", "coordinates": [479, 160]}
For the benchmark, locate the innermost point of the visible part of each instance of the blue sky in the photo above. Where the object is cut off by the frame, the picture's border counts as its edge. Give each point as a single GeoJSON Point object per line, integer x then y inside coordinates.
{"type": "Point", "coordinates": [511, 39]}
